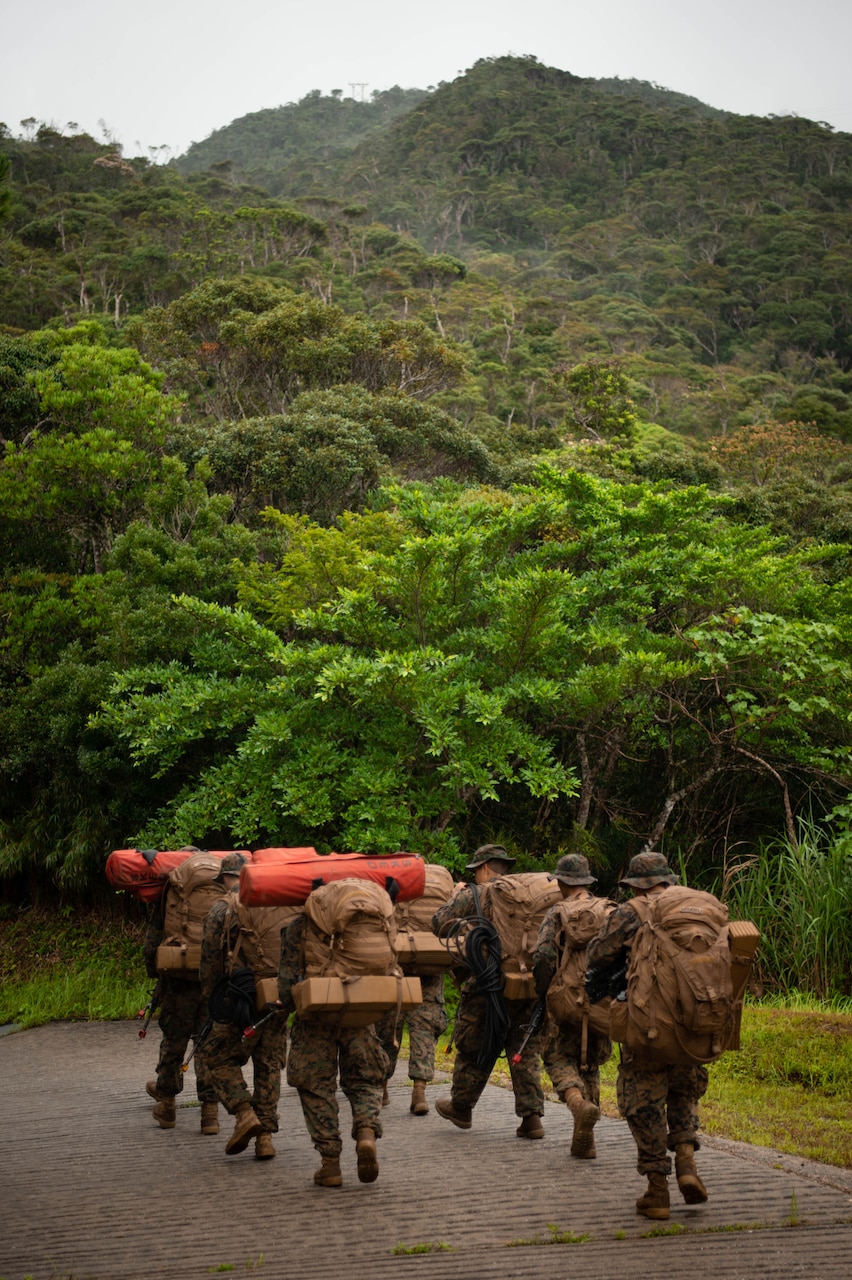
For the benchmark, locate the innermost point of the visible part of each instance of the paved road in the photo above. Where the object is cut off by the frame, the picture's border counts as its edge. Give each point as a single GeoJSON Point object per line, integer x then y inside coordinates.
{"type": "Point", "coordinates": [90, 1187]}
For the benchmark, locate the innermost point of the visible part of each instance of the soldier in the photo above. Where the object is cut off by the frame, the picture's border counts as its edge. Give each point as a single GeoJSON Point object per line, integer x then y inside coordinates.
{"type": "Point", "coordinates": [183, 1013]}
{"type": "Point", "coordinates": [425, 1024]}
{"type": "Point", "coordinates": [660, 1104]}
{"type": "Point", "coordinates": [574, 1067]}
{"type": "Point", "coordinates": [251, 936]}
{"type": "Point", "coordinates": [471, 1072]}
{"type": "Point", "coordinates": [319, 1053]}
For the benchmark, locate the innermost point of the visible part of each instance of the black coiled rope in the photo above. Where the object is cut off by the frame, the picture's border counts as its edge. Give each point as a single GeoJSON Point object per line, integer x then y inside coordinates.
{"type": "Point", "coordinates": [233, 999]}
{"type": "Point", "coordinates": [478, 947]}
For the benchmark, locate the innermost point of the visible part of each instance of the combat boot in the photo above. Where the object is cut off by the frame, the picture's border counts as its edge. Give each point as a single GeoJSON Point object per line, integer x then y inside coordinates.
{"type": "Point", "coordinates": [209, 1117]}
{"type": "Point", "coordinates": [368, 1160]}
{"type": "Point", "coordinates": [530, 1127]}
{"type": "Point", "coordinates": [586, 1115]}
{"type": "Point", "coordinates": [419, 1105]}
{"type": "Point", "coordinates": [655, 1202]}
{"type": "Point", "coordinates": [329, 1174]}
{"type": "Point", "coordinates": [247, 1127]}
{"type": "Point", "coordinates": [164, 1113]}
{"type": "Point", "coordinates": [461, 1117]}
{"type": "Point", "coordinates": [263, 1148]}
{"type": "Point", "coordinates": [692, 1188]}
{"type": "Point", "coordinates": [152, 1090]}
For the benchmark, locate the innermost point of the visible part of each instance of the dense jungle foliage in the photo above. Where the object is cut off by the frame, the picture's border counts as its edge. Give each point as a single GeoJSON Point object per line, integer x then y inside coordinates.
{"type": "Point", "coordinates": [469, 463]}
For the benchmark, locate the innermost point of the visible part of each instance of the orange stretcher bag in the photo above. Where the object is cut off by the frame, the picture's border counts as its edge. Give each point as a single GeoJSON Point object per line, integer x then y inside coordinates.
{"type": "Point", "coordinates": [286, 882]}
{"type": "Point", "coordinates": [144, 873]}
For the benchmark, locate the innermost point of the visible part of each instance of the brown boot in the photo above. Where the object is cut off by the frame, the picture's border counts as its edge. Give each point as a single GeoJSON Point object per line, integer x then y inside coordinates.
{"type": "Point", "coordinates": [461, 1117]}
{"type": "Point", "coordinates": [586, 1115]}
{"type": "Point", "coordinates": [164, 1113]}
{"type": "Point", "coordinates": [209, 1117]}
{"type": "Point", "coordinates": [152, 1091]}
{"type": "Point", "coordinates": [385, 1097]}
{"type": "Point", "coordinates": [655, 1202]}
{"type": "Point", "coordinates": [530, 1127]}
{"type": "Point", "coordinates": [692, 1188]}
{"type": "Point", "coordinates": [247, 1127]}
{"type": "Point", "coordinates": [419, 1105]}
{"type": "Point", "coordinates": [263, 1148]}
{"type": "Point", "coordinates": [329, 1174]}
{"type": "Point", "coordinates": [368, 1160]}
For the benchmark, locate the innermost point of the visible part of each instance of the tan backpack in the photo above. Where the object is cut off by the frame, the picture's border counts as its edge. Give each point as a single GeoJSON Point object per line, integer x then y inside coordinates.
{"type": "Point", "coordinates": [415, 915]}
{"type": "Point", "coordinates": [191, 890]}
{"type": "Point", "coordinates": [257, 945]}
{"type": "Point", "coordinates": [516, 906]}
{"type": "Point", "coordinates": [579, 920]}
{"type": "Point", "coordinates": [679, 1006]}
{"type": "Point", "coordinates": [350, 931]}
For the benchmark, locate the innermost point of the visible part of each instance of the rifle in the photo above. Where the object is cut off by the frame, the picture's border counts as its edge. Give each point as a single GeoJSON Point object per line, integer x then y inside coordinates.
{"type": "Point", "coordinates": [276, 1009]}
{"type": "Point", "coordinates": [197, 1042]}
{"type": "Point", "coordinates": [534, 1025]}
{"type": "Point", "coordinates": [611, 981]}
{"type": "Point", "coordinates": [148, 1012]}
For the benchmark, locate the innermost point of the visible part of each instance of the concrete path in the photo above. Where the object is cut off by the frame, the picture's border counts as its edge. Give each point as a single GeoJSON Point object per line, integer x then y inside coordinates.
{"type": "Point", "coordinates": [91, 1187]}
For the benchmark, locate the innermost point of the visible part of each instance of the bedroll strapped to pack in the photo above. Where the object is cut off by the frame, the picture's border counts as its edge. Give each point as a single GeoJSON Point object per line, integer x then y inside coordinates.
{"type": "Point", "coordinates": [679, 1008]}
{"type": "Point", "coordinates": [191, 890]}
{"type": "Point", "coordinates": [580, 920]}
{"type": "Point", "coordinates": [350, 936]}
{"type": "Point", "coordinates": [516, 905]}
{"type": "Point", "coordinates": [269, 881]}
{"type": "Point", "coordinates": [144, 872]}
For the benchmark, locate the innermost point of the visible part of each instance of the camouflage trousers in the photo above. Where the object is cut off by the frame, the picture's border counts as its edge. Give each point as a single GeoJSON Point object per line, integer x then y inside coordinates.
{"type": "Point", "coordinates": [660, 1106]}
{"type": "Point", "coordinates": [317, 1053]}
{"type": "Point", "coordinates": [183, 1013]}
{"type": "Point", "coordinates": [425, 1024]}
{"type": "Point", "coordinates": [562, 1055]}
{"type": "Point", "coordinates": [469, 1079]}
{"type": "Point", "coordinates": [227, 1052]}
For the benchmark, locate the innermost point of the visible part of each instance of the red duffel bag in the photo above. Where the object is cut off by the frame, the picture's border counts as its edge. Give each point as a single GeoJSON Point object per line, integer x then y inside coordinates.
{"type": "Point", "coordinates": [296, 854]}
{"type": "Point", "coordinates": [144, 872]}
{"type": "Point", "coordinates": [286, 882]}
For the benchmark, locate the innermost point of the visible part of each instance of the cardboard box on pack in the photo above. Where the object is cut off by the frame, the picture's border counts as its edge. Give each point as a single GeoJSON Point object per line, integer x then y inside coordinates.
{"type": "Point", "coordinates": [357, 1002]}
{"type": "Point", "coordinates": [743, 937]}
{"type": "Point", "coordinates": [266, 991]}
{"type": "Point", "coordinates": [422, 953]}
{"type": "Point", "coordinates": [518, 985]}
{"type": "Point", "coordinates": [179, 961]}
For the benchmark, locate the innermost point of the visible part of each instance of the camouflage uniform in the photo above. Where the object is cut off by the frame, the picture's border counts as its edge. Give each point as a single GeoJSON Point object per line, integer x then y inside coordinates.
{"type": "Point", "coordinates": [658, 1103]}
{"type": "Point", "coordinates": [425, 1025]}
{"type": "Point", "coordinates": [469, 1079]}
{"type": "Point", "coordinates": [226, 1050]}
{"type": "Point", "coordinates": [183, 1012]}
{"type": "Point", "coordinates": [562, 1052]}
{"type": "Point", "coordinates": [319, 1051]}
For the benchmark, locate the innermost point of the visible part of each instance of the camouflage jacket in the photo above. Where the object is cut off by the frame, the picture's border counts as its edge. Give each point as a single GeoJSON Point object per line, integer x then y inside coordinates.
{"type": "Point", "coordinates": [290, 968]}
{"type": "Point", "coordinates": [154, 934]}
{"type": "Point", "coordinates": [213, 946]}
{"type": "Point", "coordinates": [618, 933]}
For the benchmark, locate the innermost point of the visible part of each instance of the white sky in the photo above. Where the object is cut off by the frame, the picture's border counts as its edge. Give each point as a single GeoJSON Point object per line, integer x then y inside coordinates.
{"type": "Point", "coordinates": [169, 72]}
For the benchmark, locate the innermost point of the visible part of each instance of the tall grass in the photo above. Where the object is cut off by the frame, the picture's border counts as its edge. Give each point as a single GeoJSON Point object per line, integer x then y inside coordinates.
{"type": "Point", "coordinates": [800, 897]}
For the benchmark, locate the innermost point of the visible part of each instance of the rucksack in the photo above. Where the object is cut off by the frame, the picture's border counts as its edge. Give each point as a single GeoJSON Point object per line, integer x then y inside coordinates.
{"type": "Point", "coordinates": [679, 1004]}
{"type": "Point", "coordinates": [516, 905]}
{"type": "Point", "coordinates": [579, 920]}
{"type": "Point", "coordinates": [192, 888]}
{"type": "Point", "coordinates": [415, 915]}
{"type": "Point", "coordinates": [350, 931]}
{"type": "Point", "coordinates": [257, 944]}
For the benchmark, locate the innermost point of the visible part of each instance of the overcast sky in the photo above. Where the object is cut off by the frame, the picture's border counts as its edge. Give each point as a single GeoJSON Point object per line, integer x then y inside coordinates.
{"type": "Point", "coordinates": [166, 73]}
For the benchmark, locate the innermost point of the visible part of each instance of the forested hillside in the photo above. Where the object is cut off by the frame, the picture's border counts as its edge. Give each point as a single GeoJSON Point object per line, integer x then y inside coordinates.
{"type": "Point", "coordinates": [463, 464]}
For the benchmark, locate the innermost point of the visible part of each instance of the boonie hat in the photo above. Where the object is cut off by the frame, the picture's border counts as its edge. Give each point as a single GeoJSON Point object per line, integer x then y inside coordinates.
{"type": "Point", "coordinates": [231, 864]}
{"type": "Point", "coordinates": [573, 868]}
{"type": "Point", "coordinates": [647, 869]}
{"type": "Point", "coordinates": [489, 853]}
